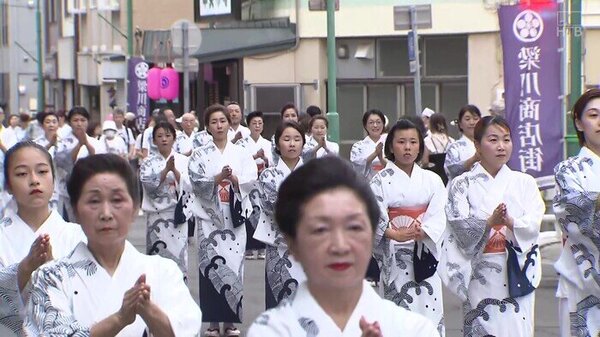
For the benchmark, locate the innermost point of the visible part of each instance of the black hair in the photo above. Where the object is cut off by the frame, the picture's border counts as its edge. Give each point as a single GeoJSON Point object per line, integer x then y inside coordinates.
{"type": "Point", "coordinates": [78, 110]}
{"type": "Point", "coordinates": [437, 123]}
{"type": "Point", "coordinates": [316, 118]}
{"type": "Point", "coordinates": [289, 106]}
{"type": "Point", "coordinates": [403, 124]}
{"type": "Point", "coordinates": [485, 122]}
{"type": "Point", "coordinates": [165, 126]}
{"type": "Point", "coordinates": [313, 111]}
{"type": "Point", "coordinates": [252, 115]}
{"type": "Point", "coordinates": [23, 145]}
{"type": "Point", "coordinates": [88, 167]}
{"type": "Point", "coordinates": [215, 108]}
{"type": "Point", "coordinates": [579, 110]}
{"type": "Point", "coordinates": [368, 114]}
{"type": "Point", "coordinates": [313, 178]}
{"type": "Point", "coordinates": [282, 127]}
{"type": "Point", "coordinates": [91, 128]}
{"type": "Point", "coordinates": [118, 111]}
{"type": "Point", "coordinates": [417, 121]}
{"type": "Point", "coordinates": [467, 108]}
{"type": "Point", "coordinates": [42, 116]}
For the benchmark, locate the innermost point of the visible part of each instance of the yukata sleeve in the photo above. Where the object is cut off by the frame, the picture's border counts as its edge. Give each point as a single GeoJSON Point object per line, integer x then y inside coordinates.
{"type": "Point", "coordinates": [453, 165]}
{"type": "Point", "coordinates": [358, 159]}
{"type": "Point", "coordinates": [266, 230]}
{"type": "Point", "coordinates": [526, 228]}
{"type": "Point", "coordinates": [150, 175]}
{"type": "Point", "coordinates": [434, 220]}
{"type": "Point", "coordinates": [270, 324]}
{"type": "Point", "coordinates": [177, 303]}
{"type": "Point", "coordinates": [63, 159]}
{"type": "Point", "coordinates": [11, 304]}
{"type": "Point", "coordinates": [204, 188]}
{"type": "Point", "coordinates": [469, 232]}
{"type": "Point", "coordinates": [48, 309]}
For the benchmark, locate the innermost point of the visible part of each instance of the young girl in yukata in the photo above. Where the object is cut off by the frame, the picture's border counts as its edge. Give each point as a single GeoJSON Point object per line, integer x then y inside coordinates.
{"type": "Point", "coordinates": [461, 154]}
{"type": "Point", "coordinates": [577, 208]}
{"type": "Point", "coordinates": [222, 175]}
{"type": "Point", "coordinates": [318, 144]}
{"type": "Point", "coordinates": [31, 234]}
{"type": "Point", "coordinates": [409, 230]}
{"type": "Point", "coordinates": [492, 260]}
{"type": "Point", "coordinates": [283, 274]}
{"type": "Point", "coordinates": [288, 112]}
{"type": "Point", "coordinates": [328, 216]}
{"type": "Point", "coordinates": [163, 175]}
{"type": "Point", "coordinates": [105, 287]}
{"type": "Point", "coordinates": [48, 140]}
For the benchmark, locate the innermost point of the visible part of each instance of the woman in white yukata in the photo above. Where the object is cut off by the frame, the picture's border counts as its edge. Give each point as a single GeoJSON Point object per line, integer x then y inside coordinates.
{"type": "Point", "coordinates": [577, 206]}
{"type": "Point", "coordinates": [74, 145]}
{"type": "Point", "coordinates": [164, 177]}
{"type": "Point", "coordinates": [106, 287]}
{"type": "Point", "coordinates": [31, 234]}
{"type": "Point", "coordinates": [49, 121]}
{"type": "Point", "coordinates": [318, 144]}
{"type": "Point", "coordinates": [367, 155]}
{"type": "Point", "coordinates": [409, 231]}
{"type": "Point", "coordinates": [260, 150]}
{"type": "Point", "coordinates": [288, 112]}
{"type": "Point", "coordinates": [461, 154]}
{"type": "Point", "coordinates": [283, 274]}
{"type": "Point", "coordinates": [328, 215]}
{"type": "Point", "coordinates": [222, 175]}
{"type": "Point", "coordinates": [492, 259]}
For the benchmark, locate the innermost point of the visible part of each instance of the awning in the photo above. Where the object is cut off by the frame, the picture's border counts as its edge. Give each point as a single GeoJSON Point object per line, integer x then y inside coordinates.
{"type": "Point", "coordinates": [223, 43]}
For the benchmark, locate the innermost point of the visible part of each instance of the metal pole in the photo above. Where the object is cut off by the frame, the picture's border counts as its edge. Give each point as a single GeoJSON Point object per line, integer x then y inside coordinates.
{"type": "Point", "coordinates": [186, 73]}
{"type": "Point", "coordinates": [576, 51]}
{"type": "Point", "coordinates": [334, 118]}
{"type": "Point", "coordinates": [130, 27]}
{"type": "Point", "coordinates": [40, 78]}
{"type": "Point", "coordinates": [417, 74]}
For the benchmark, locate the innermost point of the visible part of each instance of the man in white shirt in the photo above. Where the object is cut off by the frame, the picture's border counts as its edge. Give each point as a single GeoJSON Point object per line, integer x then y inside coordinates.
{"type": "Point", "coordinates": [124, 132]}
{"type": "Point", "coordinates": [236, 131]}
{"type": "Point", "coordinates": [184, 141]}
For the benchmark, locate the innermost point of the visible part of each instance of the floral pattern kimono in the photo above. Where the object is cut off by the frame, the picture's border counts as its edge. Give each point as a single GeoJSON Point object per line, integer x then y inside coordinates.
{"type": "Point", "coordinates": [166, 224]}
{"type": "Point", "coordinates": [577, 208]}
{"type": "Point", "coordinates": [220, 213]}
{"type": "Point", "coordinates": [494, 271]}
{"type": "Point", "coordinates": [283, 273]}
{"type": "Point", "coordinates": [408, 268]}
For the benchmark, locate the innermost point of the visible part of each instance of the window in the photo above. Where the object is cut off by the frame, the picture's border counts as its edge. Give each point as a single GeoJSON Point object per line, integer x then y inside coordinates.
{"type": "Point", "coordinates": [269, 99]}
{"type": "Point", "coordinates": [446, 56]}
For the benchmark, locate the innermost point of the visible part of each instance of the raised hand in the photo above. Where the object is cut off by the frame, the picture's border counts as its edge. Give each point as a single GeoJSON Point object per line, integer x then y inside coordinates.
{"type": "Point", "coordinates": [369, 329]}
{"type": "Point", "coordinates": [260, 154]}
{"type": "Point", "coordinates": [132, 300]}
{"type": "Point", "coordinates": [171, 163]}
{"type": "Point", "coordinates": [379, 149]}
{"type": "Point", "coordinates": [39, 253]}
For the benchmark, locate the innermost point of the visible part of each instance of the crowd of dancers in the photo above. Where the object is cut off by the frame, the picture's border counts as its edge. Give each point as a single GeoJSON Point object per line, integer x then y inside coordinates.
{"type": "Point", "coordinates": [412, 210]}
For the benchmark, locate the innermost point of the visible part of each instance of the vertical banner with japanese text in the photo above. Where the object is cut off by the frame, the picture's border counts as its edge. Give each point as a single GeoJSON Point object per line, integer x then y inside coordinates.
{"type": "Point", "coordinates": [530, 43]}
{"type": "Point", "coordinates": [137, 90]}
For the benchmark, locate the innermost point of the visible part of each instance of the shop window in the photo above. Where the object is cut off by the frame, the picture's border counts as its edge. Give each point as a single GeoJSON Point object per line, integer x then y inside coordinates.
{"type": "Point", "coordinates": [269, 99]}
{"type": "Point", "coordinates": [446, 56]}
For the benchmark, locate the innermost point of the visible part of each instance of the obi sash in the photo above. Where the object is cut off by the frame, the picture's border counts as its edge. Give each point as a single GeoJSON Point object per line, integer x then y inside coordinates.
{"type": "Point", "coordinates": [377, 167]}
{"type": "Point", "coordinates": [424, 262]}
{"type": "Point", "coordinates": [224, 194]}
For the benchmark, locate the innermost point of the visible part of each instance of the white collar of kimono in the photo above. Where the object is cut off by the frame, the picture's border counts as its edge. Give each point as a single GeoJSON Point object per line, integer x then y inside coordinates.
{"type": "Point", "coordinates": [504, 170]}
{"type": "Point", "coordinates": [54, 217]}
{"type": "Point", "coordinates": [282, 166]}
{"type": "Point", "coordinates": [304, 304]}
{"type": "Point", "coordinates": [82, 252]}
{"type": "Point", "coordinates": [586, 152]}
{"type": "Point", "coordinates": [466, 139]}
{"type": "Point", "coordinates": [416, 171]}
{"type": "Point", "coordinates": [381, 138]}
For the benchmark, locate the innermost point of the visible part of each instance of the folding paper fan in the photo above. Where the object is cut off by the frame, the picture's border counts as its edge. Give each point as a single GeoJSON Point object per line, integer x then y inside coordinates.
{"type": "Point", "coordinates": [401, 221]}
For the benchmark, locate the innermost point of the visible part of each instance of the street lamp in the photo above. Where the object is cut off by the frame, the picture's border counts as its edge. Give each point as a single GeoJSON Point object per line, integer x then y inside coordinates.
{"type": "Point", "coordinates": [40, 78]}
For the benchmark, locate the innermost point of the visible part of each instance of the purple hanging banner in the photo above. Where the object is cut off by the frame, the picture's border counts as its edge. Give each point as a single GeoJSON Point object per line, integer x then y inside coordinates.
{"type": "Point", "coordinates": [530, 43]}
{"type": "Point", "coordinates": [137, 90]}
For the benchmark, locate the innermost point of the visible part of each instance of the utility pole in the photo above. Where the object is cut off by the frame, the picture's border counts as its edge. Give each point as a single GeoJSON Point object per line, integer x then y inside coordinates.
{"type": "Point", "coordinates": [575, 29]}
{"type": "Point", "coordinates": [333, 117]}
{"type": "Point", "coordinates": [40, 76]}
{"type": "Point", "coordinates": [130, 28]}
{"type": "Point", "coordinates": [417, 62]}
